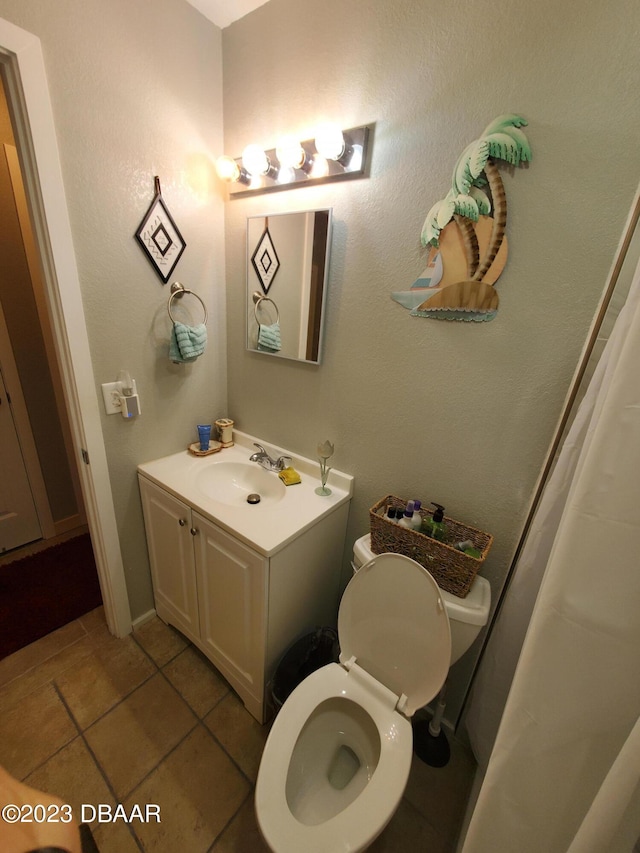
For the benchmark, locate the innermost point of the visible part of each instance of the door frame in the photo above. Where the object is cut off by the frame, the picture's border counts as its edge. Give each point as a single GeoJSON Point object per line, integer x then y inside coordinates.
{"type": "Point", "coordinates": [24, 75]}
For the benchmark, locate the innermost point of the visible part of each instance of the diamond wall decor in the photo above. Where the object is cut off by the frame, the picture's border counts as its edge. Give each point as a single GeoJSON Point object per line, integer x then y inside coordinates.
{"type": "Point", "coordinates": [159, 237]}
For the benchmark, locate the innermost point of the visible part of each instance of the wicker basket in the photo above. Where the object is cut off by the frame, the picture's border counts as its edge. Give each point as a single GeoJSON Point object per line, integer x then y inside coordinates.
{"type": "Point", "coordinates": [453, 570]}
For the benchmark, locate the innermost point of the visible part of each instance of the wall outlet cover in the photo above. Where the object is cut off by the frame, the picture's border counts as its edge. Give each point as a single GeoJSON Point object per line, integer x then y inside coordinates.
{"type": "Point", "coordinates": [111, 393]}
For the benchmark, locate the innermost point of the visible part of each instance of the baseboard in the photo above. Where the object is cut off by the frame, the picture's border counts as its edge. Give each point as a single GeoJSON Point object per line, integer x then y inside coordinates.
{"type": "Point", "coordinates": [146, 617]}
{"type": "Point", "coordinates": [64, 525]}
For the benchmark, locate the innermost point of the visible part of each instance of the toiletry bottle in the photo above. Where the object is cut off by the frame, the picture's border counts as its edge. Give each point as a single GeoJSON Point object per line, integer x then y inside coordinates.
{"type": "Point", "coordinates": [407, 518]}
{"type": "Point", "coordinates": [391, 514]}
{"type": "Point", "coordinates": [436, 530]}
{"type": "Point", "coordinates": [416, 519]}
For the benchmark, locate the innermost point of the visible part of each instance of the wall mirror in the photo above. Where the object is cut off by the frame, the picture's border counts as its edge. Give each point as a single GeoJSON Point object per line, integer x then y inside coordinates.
{"type": "Point", "coordinates": [287, 274]}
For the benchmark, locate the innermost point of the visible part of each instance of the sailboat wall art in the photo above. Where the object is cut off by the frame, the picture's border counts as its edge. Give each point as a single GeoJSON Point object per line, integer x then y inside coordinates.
{"type": "Point", "coordinates": [465, 231]}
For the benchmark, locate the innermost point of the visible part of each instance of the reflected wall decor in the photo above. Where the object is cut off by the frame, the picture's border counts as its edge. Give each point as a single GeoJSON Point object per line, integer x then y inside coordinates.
{"type": "Point", "coordinates": [265, 259]}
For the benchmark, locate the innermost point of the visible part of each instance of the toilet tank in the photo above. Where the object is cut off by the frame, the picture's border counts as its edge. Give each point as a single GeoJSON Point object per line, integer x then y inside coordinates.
{"type": "Point", "coordinates": [466, 615]}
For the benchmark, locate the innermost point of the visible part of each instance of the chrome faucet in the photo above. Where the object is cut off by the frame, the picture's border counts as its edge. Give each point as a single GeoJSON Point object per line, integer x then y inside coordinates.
{"type": "Point", "coordinates": [269, 464]}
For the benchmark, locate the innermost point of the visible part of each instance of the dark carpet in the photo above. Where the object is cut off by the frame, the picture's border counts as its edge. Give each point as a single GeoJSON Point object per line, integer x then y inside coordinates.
{"type": "Point", "coordinates": [45, 591]}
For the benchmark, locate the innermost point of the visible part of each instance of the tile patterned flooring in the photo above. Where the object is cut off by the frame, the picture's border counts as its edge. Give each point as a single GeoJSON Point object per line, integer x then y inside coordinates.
{"type": "Point", "coordinates": [147, 720]}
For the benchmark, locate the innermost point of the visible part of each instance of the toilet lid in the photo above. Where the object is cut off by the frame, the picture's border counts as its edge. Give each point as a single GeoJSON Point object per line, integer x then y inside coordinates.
{"type": "Point", "coordinates": [393, 621]}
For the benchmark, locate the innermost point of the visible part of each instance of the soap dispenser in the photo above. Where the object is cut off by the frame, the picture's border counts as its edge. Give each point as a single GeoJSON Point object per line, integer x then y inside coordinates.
{"type": "Point", "coordinates": [435, 525]}
{"type": "Point", "coordinates": [407, 518]}
{"type": "Point", "coordinates": [391, 514]}
{"type": "Point", "coordinates": [416, 520]}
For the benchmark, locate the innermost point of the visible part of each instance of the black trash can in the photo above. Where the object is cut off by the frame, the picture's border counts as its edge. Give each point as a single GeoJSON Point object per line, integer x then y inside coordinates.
{"type": "Point", "coordinates": [305, 656]}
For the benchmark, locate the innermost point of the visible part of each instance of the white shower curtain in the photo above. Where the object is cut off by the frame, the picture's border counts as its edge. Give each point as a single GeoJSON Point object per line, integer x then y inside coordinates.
{"type": "Point", "coordinates": [564, 772]}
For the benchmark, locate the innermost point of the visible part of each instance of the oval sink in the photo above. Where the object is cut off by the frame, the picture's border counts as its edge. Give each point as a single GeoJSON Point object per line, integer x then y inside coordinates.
{"type": "Point", "coordinates": [232, 482]}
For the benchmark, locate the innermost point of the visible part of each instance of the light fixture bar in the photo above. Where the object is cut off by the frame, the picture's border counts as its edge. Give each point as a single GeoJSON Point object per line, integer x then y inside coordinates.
{"type": "Point", "coordinates": [351, 163]}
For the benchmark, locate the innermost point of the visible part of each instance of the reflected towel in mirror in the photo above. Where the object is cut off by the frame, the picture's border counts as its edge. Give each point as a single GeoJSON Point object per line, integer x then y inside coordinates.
{"type": "Point", "coordinates": [269, 337]}
{"type": "Point", "coordinates": [187, 342]}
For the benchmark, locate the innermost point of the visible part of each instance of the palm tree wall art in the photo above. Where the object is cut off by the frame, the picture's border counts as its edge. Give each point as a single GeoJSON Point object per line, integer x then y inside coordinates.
{"type": "Point", "coordinates": [467, 246]}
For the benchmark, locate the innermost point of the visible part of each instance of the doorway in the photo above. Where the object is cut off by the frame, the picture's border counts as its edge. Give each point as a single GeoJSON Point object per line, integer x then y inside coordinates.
{"type": "Point", "coordinates": [27, 95]}
{"type": "Point", "coordinates": [42, 497]}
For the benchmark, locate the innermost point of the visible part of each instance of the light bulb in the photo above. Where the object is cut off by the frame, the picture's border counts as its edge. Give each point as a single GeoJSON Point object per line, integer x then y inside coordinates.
{"type": "Point", "coordinates": [255, 160]}
{"type": "Point", "coordinates": [285, 175]}
{"type": "Point", "coordinates": [227, 169]}
{"type": "Point", "coordinates": [320, 167]}
{"type": "Point", "coordinates": [330, 141]}
{"type": "Point", "coordinates": [290, 153]}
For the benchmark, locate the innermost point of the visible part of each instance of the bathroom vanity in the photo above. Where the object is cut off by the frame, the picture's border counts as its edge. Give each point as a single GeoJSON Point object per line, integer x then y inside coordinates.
{"type": "Point", "coordinates": [243, 581]}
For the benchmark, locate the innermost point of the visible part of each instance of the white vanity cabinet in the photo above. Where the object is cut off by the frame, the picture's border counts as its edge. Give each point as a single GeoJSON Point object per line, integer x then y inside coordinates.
{"type": "Point", "coordinates": [231, 582]}
{"type": "Point", "coordinates": [168, 525]}
{"type": "Point", "coordinates": [240, 606]}
{"type": "Point", "coordinates": [209, 586]}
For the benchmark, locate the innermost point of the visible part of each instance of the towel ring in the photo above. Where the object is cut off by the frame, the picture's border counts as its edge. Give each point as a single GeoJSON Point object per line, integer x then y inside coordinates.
{"type": "Point", "coordinates": [258, 298]}
{"type": "Point", "coordinates": [177, 292]}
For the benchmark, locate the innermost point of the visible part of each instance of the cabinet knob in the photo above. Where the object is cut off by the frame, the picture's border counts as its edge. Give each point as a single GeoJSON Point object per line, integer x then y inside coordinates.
{"type": "Point", "coordinates": [193, 531]}
{"type": "Point", "coordinates": [182, 522]}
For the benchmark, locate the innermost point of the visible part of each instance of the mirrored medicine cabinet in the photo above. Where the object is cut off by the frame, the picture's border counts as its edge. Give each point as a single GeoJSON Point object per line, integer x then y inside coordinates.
{"type": "Point", "coordinates": [287, 274]}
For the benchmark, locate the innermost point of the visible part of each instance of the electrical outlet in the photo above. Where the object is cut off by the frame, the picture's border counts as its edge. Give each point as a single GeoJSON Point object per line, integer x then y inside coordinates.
{"type": "Point", "coordinates": [111, 392]}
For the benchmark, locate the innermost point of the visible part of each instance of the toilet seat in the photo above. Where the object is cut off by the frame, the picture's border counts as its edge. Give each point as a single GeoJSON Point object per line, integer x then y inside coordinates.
{"type": "Point", "coordinates": [395, 651]}
{"type": "Point", "coordinates": [392, 620]}
{"type": "Point", "coordinates": [366, 817]}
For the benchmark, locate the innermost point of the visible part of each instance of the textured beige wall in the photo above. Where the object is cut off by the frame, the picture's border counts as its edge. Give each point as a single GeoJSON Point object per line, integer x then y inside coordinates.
{"type": "Point", "coordinates": [136, 90]}
{"type": "Point", "coordinates": [457, 413]}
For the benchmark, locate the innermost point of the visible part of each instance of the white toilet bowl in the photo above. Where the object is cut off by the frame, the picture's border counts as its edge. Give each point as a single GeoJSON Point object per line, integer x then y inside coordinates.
{"type": "Point", "coordinates": [338, 756]}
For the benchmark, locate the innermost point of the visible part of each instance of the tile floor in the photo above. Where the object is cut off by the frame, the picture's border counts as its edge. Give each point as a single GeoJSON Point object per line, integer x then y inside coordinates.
{"type": "Point", "coordinates": [147, 720]}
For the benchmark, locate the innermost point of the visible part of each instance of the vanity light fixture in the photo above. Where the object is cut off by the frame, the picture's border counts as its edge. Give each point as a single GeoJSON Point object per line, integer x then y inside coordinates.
{"type": "Point", "coordinates": [334, 154]}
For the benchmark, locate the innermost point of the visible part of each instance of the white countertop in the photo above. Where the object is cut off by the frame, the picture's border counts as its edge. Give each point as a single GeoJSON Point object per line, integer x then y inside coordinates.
{"type": "Point", "coordinates": [266, 527]}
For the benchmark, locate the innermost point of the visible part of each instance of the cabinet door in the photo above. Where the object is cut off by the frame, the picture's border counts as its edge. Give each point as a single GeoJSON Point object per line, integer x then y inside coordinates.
{"type": "Point", "coordinates": [170, 543]}
{"type": "Point", "coordinates": [231, 589]}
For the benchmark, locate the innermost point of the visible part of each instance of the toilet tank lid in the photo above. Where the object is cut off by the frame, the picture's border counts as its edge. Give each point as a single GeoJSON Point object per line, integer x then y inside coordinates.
{"type": "Point", "coordinates": [473, 610]}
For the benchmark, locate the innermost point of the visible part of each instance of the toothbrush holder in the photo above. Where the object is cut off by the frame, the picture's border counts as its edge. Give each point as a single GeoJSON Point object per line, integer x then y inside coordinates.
{"type": "Point", "coordinates": [225, 431]}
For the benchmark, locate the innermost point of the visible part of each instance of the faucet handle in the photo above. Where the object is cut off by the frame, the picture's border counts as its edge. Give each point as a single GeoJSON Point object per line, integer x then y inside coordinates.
{"type": "Point", "coordinates": [260, 454]}
{"type": "Point", "coordinates": [282, 462]}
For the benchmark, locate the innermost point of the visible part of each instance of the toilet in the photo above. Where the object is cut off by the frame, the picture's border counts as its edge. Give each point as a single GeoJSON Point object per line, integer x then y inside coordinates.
{"type": "Point", "coordinates": [338, 756]}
